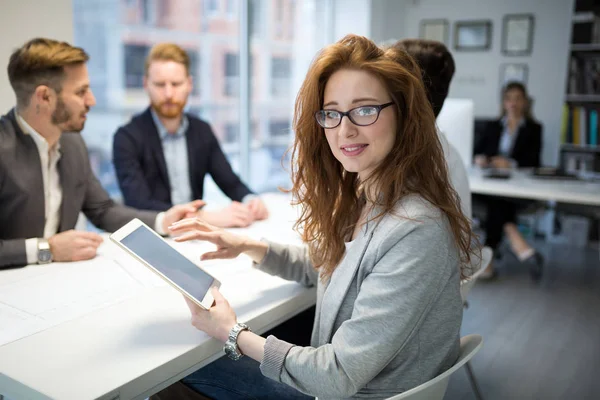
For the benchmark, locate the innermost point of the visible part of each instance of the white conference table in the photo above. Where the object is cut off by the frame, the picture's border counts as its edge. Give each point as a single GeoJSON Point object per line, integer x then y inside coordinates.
{"type": "Point", "coordinates": [522, 185]}
{"type": "Point", "coordinates": [142, 342]}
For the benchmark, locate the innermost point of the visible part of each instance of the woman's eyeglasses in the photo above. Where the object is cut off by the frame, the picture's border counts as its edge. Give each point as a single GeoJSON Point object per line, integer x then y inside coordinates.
{"type": "Point", "coordinates": [361, 116]}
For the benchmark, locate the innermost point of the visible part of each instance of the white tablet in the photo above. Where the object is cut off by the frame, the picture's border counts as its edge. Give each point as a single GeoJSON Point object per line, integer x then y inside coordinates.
{"type": "Point", "coordinates": [141, 242]}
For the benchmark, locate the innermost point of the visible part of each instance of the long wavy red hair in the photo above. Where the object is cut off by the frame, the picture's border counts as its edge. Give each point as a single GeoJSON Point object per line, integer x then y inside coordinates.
{"type": "Point", "coordinates": [331, 198]}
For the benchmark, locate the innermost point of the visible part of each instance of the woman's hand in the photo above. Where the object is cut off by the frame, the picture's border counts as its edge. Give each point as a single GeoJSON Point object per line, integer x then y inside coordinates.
{"type": "Point", "coordinates": [229, 245]}
{"type": "Point", "coordinates": [216, 322]}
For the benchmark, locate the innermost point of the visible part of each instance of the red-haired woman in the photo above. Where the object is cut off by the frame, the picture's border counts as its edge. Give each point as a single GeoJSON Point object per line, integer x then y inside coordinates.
{"type": "Point", "coordinates": [386, 242]}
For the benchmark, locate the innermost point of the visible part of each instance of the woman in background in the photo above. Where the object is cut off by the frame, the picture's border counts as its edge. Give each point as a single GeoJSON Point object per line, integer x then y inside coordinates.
{"type": "Point", "coordinates": [386, 242]}
{"type": "Point", "coordinates": [514, 140]}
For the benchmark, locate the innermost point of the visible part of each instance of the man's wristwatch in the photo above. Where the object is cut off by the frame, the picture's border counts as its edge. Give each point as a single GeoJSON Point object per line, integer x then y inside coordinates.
{"type": "Point", "coordinates": [231, 348]}
{"type": "Point", "coordinates": [44, 255]}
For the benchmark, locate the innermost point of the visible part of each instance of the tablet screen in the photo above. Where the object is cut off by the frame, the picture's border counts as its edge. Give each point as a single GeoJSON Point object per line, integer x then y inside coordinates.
{"type": "Point", "coordinates": [169, 262]}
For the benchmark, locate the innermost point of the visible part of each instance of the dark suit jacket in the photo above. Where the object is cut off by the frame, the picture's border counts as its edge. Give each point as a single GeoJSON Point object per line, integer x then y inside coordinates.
{"type": "Point", "coordinates": [22, 210]}
{"type": "Point", "coordinates": [142, 171]}
{"type": "Point", "coordinates": [526, 150]}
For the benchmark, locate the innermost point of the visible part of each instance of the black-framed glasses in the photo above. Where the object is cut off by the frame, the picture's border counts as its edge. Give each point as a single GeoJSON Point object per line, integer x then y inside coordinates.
{"type": "Point", "coordinates": [361, 116]}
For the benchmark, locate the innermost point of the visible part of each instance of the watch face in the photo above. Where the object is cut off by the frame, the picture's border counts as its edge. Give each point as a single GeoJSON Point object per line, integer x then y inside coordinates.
{"type": "Point", "coordinates": [231, 351]}
{"type": "Point", "coordinates": [45, 256]}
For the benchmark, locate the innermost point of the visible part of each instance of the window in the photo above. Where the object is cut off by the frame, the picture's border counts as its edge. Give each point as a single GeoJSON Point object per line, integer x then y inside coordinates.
{"type": "Point", "coordinates": [232, 74]}
{"type": "Point", "coordinates": [280, 76]}
{"type": "Point", "coordinates": [232, 132]}
{"type": "Point", "coordinates": [148, 11]}
{"type": "Point", "coordinates": [195, 71]}
{"type": "Point", "coordinates": [120, 41]}
{"type": "Point", "coordinates": [287, 62]}
{"type": "Point", "coordinates": [254, 13]}
{"type": "Point", "coordinates": [135, 57]}
{"type": "Point", "coordinates": [119, 37]}
{"type": "Point", "coordinates": [279, 128]}
{"type": "Point", "coordinates": [211, 6]}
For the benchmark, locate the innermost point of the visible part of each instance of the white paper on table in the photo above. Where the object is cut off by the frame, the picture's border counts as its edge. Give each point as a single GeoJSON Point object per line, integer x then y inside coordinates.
{"type": "Point", "coordinates": [60, 292]}
{"type": "Point", "coordinates": [17, 324]}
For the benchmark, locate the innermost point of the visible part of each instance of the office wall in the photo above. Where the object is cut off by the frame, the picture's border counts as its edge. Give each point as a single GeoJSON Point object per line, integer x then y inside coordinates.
{"type": "Point", "coordinates": [352, 16]}
{"type": "Point", "coordinates": [388, 19]}
{"type": "Point", "coordinates": [21, 20]}
{"type": "Point", "coordinates": [478, 73]}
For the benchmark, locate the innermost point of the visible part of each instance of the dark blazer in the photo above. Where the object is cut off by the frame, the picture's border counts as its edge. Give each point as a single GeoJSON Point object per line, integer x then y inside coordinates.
{"type": "Point", "coordinates": [22, 210]}
{"type": "Point", "coordinates": [526, 150]}
{"type": "Point", "coordinates": [142, 171]}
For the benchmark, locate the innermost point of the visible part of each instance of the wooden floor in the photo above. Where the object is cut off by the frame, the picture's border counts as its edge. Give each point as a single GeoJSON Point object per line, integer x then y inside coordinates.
{"type": "Point", "coordinates": [540, 341]}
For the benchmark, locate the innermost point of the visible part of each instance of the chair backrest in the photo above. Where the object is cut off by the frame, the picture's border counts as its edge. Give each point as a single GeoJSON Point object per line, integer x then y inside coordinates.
{"type": "Point", "coordinates": [435, 388]}
{"type": "Point", "coordinates": [467, 284]}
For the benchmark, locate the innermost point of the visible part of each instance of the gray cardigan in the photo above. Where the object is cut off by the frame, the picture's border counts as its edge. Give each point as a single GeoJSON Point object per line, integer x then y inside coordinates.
{"type": "Point", "coordinates": [389, 317]}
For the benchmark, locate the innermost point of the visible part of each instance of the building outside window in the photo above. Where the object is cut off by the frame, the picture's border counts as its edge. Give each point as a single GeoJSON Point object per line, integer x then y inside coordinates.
{"type": "Point", "coordinates": [118, 34]}
{"type": "Point", "coordinates": [133, 63]}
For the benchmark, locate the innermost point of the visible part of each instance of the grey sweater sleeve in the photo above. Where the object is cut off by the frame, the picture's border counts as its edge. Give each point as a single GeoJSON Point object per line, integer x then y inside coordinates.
{"type": "Point", "coordinates": [289, 262]}
{"type": "Point", "coordinates": [414, 261]}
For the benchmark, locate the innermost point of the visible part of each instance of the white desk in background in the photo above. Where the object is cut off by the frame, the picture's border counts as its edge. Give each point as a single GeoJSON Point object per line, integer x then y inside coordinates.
{"type": "Point", "coordinates": [522, 185]}
{"type": "Point", "coordinates": [138, 339]}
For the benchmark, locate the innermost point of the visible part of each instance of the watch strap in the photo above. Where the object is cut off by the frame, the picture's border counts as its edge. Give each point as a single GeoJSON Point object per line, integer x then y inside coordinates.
{"type": "Point", "coordinates": [235, 331]}
{"type": "Point", "coordinates": [43, 244]}
{"type": "Point", "coordinates": [231, 347]}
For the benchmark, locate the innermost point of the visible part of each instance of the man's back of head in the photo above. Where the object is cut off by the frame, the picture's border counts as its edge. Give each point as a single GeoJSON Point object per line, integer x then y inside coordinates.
{"type": "Point", "coordinates": [437, 65]}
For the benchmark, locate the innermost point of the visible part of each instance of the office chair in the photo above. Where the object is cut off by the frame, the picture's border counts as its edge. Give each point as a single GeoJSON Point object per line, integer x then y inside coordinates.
{"type": "Point", "coordinates": [477, 268]}
{"type": "Point", "coordinates": [435, 388]}
{"type": "Point", "coordinates": [465, 287]}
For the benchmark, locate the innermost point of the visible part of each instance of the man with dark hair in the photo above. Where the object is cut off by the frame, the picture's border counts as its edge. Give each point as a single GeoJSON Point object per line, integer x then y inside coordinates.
{"type": "Point", "coordinates": [438, 68]}
{"type": "Point", "coordinates": [45, 174]}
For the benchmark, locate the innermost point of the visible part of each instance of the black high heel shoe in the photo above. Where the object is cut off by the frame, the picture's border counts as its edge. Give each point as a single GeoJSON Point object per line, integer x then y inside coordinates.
{"type": "Point", "coordinates": [536, 266]}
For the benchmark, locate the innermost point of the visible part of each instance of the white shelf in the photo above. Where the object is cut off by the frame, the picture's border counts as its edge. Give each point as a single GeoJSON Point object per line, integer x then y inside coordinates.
{"type": "Point", "coordinates": [580, 147]}
{"type": "Point", "coordinates": [583, 98]}
{"type": "Point", "coordinates": [585, 47]}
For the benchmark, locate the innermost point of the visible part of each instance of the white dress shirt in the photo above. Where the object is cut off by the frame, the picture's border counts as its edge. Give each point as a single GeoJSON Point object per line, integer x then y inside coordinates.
{"type": "Point", "coordinates": [52, 189]}
{"type": "Point", "coordinates": [508, 138]}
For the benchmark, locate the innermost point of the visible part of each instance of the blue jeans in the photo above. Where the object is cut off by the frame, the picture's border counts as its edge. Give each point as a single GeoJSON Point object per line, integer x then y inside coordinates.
{"type": "Point", "coordinates": [225, 379]}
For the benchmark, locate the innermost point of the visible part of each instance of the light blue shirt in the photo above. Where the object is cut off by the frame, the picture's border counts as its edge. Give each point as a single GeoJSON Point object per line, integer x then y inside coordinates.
{"type": "Point", "coordinates": [508, 138]}
{"type": "Point", "coordinates": [176, 157]}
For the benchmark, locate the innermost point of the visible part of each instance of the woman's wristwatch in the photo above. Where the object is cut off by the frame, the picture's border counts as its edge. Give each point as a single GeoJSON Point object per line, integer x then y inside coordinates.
{"type": "Point", "coordinates": [231, 347]}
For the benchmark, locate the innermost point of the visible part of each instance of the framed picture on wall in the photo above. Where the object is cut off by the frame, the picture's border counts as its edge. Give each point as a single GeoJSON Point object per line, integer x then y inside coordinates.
{"type": "Point", "coordinates": [434, 29]}
{"type": "Point", "coordinates": [473, 35]}
{"type": "Point", "coordinates": [517, 34]}
{"type": "Point", "coordinates": [512, 72]}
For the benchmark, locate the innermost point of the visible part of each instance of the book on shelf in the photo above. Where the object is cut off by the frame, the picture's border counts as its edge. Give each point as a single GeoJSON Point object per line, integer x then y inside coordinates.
{"type": "Point", "coordinates": [580, 125]}
{"type": "Point", "coordinates": [584, 74]}
{"type": "Point", "coordinates": [593, 133]}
